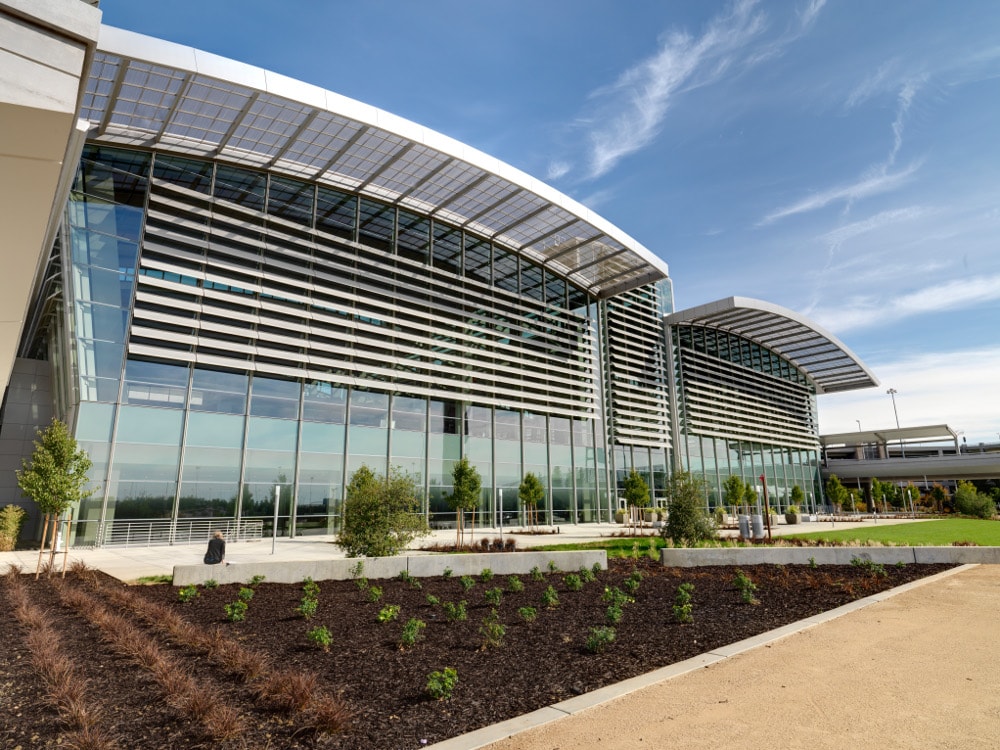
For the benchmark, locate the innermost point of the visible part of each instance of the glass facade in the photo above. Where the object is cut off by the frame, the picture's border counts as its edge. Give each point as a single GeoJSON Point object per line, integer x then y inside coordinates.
{"type": "Point", "coordinates": [747, 411]}
{"type": "Point", "coordinates": [244, 337]}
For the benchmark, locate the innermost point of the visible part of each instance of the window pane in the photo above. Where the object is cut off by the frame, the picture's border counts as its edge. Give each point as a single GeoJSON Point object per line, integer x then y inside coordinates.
{"type": "Point", "coordinates": [447, 248]}
{"type": "Point", "coordinates": [477, 259]}
{"type": "Point", "coordinates": [414, 236]}
{"type": "Point", "coordinates": [291, 200]}
{"type": "Point", "coordinates": [188, 173]}
{"type": "Point", "coordinates": [137, 424]}
{"type": "Point", "coordinates": [212, 390]}
{"type": "Point", "coordinates": [376, 223]}
{"type": "Point", "coordinates": [240, 186]}
{"type": "Point", "coordinates": [274, 398]}
{"type": "Point", "coordinates": [336, 212]}
{"type": "Point", "coordinates": [155, 384]}
{"type": "Point", "coordinates": [324, 402]}
{"type": "Point", "coordinates": [505, 273]}
{"type": "Point", "coordinates": [215, 430]}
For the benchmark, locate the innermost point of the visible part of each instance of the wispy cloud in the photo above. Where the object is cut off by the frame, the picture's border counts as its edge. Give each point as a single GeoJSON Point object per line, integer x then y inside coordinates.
{"type": "Point", "coordinates": [875, 180]}
{"type": "Point", "coordinates": [840, 235]}
{"type": "Point", "coordinates": [851, 314]}
{"type": "Point", "coordinates": [876, 83]}
{"type": "Point", "coordinates": [643, 94]}
{"type": "Point", "coordinates": [873, 183]}
{"type": "Point", "coordinates": [926, 395]}
{"type": "Point", "coordinates": [558, 169]}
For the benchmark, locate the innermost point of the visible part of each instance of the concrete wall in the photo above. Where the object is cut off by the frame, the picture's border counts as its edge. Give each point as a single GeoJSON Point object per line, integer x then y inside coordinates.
{"type": "Point", "coordinates": [28, 407]}
{"type": "Point", "coordinates": [419, 566]}
{"type": "Point", "coordinates": [690, 558]}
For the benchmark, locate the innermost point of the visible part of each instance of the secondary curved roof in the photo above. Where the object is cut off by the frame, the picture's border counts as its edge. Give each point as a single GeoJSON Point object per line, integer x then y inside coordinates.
{"type": "Point", "coordinates": [155, 94]}
{"type": "Point", "coordinates": [818, 353]}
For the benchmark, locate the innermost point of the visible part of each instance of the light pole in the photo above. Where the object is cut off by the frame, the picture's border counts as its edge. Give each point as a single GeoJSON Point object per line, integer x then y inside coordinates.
{"type": "Point", "coordinates": [892, 394]}
{"type": "Point", "coordinates": [859, 424]}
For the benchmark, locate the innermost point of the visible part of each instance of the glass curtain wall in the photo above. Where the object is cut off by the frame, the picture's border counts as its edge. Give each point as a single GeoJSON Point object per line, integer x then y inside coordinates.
{"type": "Point", "coordinates": [194, 398]}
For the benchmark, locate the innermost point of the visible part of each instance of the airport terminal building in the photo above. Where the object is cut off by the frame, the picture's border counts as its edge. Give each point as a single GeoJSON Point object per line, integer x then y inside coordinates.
{"type": "Point", "coordinates": [234, 285]}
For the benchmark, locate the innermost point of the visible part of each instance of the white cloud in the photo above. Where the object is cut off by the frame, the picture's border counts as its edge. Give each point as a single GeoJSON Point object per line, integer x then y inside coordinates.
{"type": "Point", "coordinates": [953, 388]}
{"type": "Point", "coordinates": [851, 314]}
{"type": "Point", "coordinates": [642, 95]}
{"type": "Point", "coordinates": [558, 169]}
{"type": "Point", "coordinates": [868, 185]}
{"type": "Point", "coordinates": [874, 84]}
{"type": "Point", "coordinates": [839, 236]}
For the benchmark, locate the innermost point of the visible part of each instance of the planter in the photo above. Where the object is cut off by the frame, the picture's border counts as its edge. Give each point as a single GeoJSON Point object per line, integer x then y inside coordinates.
{"type": "Point", "coordinates": [791, 518]}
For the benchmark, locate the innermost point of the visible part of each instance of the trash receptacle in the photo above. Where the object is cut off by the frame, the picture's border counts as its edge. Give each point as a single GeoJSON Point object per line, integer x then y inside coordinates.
{"type": "Point", "coordinates": [757, 521]}
{"type": "Point", "coordinates": [744, 526]}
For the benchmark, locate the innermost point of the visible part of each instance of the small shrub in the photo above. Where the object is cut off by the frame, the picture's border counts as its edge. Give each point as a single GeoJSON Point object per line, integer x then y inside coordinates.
{"type": "Point", "coordinates": [374, 594]}
{"type": "Point", "coordinates": [616, 596]}
{"type": "Point", "coordinates": [361, 583]}
{"type": "Point", "coordinates": [528, 614]}
{"type": "Point", "coordinates": [614, 613]}
{"type": "Point", "coordinates": [413, 582]}
{"type": "Point", "coordinates": [494, 596]}
{"type": "Point", "coordinates": [411, 633]}
{"type": "Point", "coordinates": [515, 585]}
{"type": "Point", "coordinates": [746, 588]}
{"type": "Point", "coordinates": [446, 573]}
{"type": "Point", "coordinates": [486, 575]}
{"type": "Point", "coordinates": [455, 612]}
{"type": "Point", "coordinates": [586, 574]}
{"type": "Point", "coordinates": [188, 594]}
{"type": "Point", "coordinates": [596, 568]}
{"type": "Point", "coordinates": [492, 631]}
{"type": "Point", "coordinates": [440, 685]}
{"type": "Point", "coordinates": [484, 544]}
{"type": "Point", "coordinates": [256, 581]}
{"type": "Point", "coordinates": [211, 583]}
{"type": "Point", "coordinates": [245, 594]}
{"type": "Point", "coordinates": [536, 574]}
{"type": "Point", "coordinates": [550, 598]}
{"type": "Point", "coordinates": [320, 637]}
{"type": "Point", "coordinates": [573, 582]}
{"type": "Point", "coordinates": [307, 607]}
{"type": "Point", "coordinates": [874, 569]}
{"type": "Point", "coordinates": [236, 611]}
{"type": "Point", "coordinates": [388, 613]}
{"type": "Point", "coordinates": [357, 570]}
{"type": "Point", "coordinates": [632, 585]}
{"type": "Point", "coordinates": [11, 518]}
{"type": "Point", "coordinates": [433, 600]}
{"type": "Point", "coordinates": [553, 568]}
{"type": "Point", "coordinates": [812, 563]}
{"type": "Point", "coordinates": [467, 583]}
{"type": "Point", "coordinates": [682, 604]}
{"type": "Point", "coordinates": [600, 638]}
{"type": "Point", "coordinates": [310, 588]}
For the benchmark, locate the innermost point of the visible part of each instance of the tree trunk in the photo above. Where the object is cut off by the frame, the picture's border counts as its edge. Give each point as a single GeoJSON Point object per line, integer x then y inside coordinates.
{"type": "Point", "coordinates": [41, 549]}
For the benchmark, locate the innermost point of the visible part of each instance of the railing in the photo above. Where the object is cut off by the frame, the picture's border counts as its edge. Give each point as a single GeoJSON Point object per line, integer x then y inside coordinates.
{"type": "Point", "coordinates": [139, 533]}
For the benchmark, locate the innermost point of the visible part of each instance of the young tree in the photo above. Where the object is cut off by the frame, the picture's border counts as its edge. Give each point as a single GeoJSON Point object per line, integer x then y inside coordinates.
{"type": "Point", "coordinates": [466, 488]}
{"type": "Point", "coordinates": [836, 493]}
{"type": "Point", "coordinates": [531, 493]}
{"type": "Point", "coordinates": [733, 491]}
{"type": "Point", "coordinates": [798, 498]}
{"type": "Point", "coordinates": [381, 514]}
{"type": "Point", "coordinates": [750, 496]}
{"type": "Point", "coordinates": [635, 491]}
{"type": "Point", "coordinates": [55, 478]}
{"type": "Point", "coordinates": [686, 520]}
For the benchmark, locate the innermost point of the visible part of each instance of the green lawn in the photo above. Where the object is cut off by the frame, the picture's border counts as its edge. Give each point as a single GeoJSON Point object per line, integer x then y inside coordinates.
{"type": "Point", "coordinates": [926, 533]}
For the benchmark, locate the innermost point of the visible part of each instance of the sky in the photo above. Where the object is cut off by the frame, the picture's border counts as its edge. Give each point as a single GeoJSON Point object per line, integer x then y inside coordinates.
{"type": "Point", "coordinates": [840, 158]}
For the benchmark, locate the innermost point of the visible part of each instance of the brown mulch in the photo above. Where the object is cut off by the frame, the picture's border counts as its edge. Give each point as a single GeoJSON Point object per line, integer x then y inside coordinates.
{"type": "Point", "coordinates": [540, 663]}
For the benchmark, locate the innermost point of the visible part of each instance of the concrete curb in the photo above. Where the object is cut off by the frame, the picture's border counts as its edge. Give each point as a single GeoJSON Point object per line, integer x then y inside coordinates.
{"type": "Point", "coordinates": [419, 566]}
{"type": "Point", "coordinates": [480, 738]}
{"type": "Point", "coordinates": [679, 557]}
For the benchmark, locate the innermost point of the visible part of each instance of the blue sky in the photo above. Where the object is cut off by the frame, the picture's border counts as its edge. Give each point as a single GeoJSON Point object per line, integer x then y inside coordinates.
{"type": "Point", "coordinates": [839, 158]}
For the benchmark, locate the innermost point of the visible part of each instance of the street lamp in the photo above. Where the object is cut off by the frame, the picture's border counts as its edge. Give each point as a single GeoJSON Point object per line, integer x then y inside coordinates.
{"type": "Point", "coordinates": [892, 394]}
{"type": "Point", "coordinates": [859, 424]}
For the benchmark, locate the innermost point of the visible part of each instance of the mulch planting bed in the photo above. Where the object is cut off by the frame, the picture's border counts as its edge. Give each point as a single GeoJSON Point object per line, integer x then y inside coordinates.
{"type": "Point", "coordinates": [381, 684]}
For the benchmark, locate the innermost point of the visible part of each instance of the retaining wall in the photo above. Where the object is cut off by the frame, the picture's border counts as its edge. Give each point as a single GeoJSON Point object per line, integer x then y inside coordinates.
{"type": "Point", "coordinates": [696, 557]}
{"type": "Point", "coordinates": [418, 566]}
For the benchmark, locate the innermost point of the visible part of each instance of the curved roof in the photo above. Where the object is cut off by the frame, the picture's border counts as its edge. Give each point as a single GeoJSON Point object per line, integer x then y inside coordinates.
{"type": "Point", "coordinates": [154, 94]}
{"type": "Point", "coordinates": [818, 353]}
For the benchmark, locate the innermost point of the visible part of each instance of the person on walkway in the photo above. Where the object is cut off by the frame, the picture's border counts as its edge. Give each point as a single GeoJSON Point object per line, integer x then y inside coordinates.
{"type": "Point", "coordinates": [216, 549]}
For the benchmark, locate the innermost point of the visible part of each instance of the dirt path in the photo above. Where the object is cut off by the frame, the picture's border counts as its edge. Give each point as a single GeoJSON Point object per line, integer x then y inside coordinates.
{"type": "Point", "coordinates": [919, 670]}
